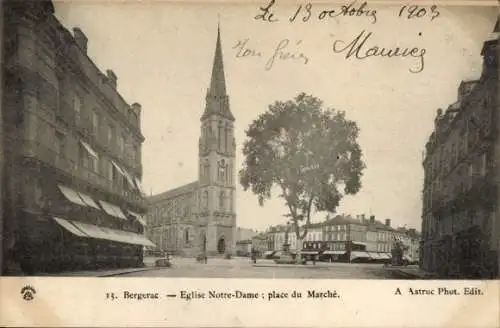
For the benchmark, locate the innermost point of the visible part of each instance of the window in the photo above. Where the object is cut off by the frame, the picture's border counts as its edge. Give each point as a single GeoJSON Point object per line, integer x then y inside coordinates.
{"type": "Point", "coordinates": [83, 156]}
{"type": "Point", "coordinates": [205, 199]}
{"type": "Point", "coordinates": [60, 144]}
{"type": "Point", "coordinates": [483, 165]}
{"type": "Point", "coordinates": [222, 170]}
{"type": "Point", "coordinates": [121, 144]}
{"type": "Point", "coordinates": [94, 163]}
{"type": "Point", "coordinates": [206, 171]}
{"type": "Point", "coordinates": [186, 236]}
{"type": "Point", "coordinates": [111, 134]}
{"type": "Point", "coordinates": [96, 122]}
{"type": "Point", "coordinates": [219, 137]}
{"type": "Point", "coordinates": [77, 106]}
{"type": "Point", "coordinates": [111, 171]}
{"type": "Point", "coordinates": [221, 200]}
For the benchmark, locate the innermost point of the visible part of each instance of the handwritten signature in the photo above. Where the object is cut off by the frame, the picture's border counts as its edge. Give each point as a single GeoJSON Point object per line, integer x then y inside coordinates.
{"type": "Point", "coordinates": [284, 50]}
{"type": "Point", "coordinates": [358, 49]}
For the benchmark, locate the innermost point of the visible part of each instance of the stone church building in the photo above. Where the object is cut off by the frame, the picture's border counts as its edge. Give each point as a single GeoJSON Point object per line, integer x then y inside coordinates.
{"type": "Point", "coordinates": [200, 217]}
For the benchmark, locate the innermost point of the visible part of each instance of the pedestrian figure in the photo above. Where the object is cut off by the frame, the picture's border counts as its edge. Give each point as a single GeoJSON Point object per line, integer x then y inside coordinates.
{"type": "Point", "coordinates": [314, 259]}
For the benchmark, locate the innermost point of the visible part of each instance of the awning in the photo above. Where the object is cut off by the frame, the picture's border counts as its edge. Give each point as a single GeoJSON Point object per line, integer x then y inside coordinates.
{"type": "Point", "coordinates": [112, 210]}
{"type": "Point", "coordinates": [309, 252]}
{"type": "Point", "coordinates": [89, 201]}
{"type": "Point", "coordinates": [139, 186]}
{"type": "Point", "coordinates": [360, 243]}
{"type": "Point", "coordinates": [113, 234]}
{"type": "Point", "coordinates": [139, 218]}
{"type": "Point", "coordinates": [70, 227]}
{"type": "Point", "coordinates": [72, 195]}
{"type": "Point", "coordinates": [128, 177]}
{"type": "Point", "coordinates": [133, 238]}
{"type": "Point", "coordinates": [88, 148]}
{"type": "Point", "coordinates": [268, 252]}
{"type": "Point", "coordinates": [117, 167]}
{"type": "Point", "coordinates": [92, 230]}
{"type": "Point", "coordinates": [386, 255]}
{"type": "Point", "coordinates": [359, 255]}
{"type": "Point", "coordinates": [334, 252]}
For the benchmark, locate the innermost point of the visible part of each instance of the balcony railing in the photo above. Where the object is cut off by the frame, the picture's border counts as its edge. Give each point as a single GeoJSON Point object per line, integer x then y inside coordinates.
{"type": "Point", "coordinates": [36, 150]}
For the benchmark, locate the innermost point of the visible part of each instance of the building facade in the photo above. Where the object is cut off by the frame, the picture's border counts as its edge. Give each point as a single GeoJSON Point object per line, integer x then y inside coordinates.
{"type": "Point", "coordinates": [200, 217]}
{"type": "Point", "coordinates": [245, 233]}
{"type": "Point", "coordinates": [344, 237]}
{"type": "Point", "coordinates": [72, 196]}
{"type": "Point", "coordinates": [460, 228]}
{"type": "Point", "coordinates": [243, 247]}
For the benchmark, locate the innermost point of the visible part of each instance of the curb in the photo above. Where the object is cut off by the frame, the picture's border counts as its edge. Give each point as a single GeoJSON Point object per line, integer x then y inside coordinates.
{"type": "Point", "coordinates": [402, 273]}
{"type": "Point", "coordinates": [289, 266]}
{"type": "Point", "coordinates": [127, 272]}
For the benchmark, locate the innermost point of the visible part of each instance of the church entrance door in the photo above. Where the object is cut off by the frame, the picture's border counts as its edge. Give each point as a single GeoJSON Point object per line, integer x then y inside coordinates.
{"type": "Point", "coordinates": [221, 246]}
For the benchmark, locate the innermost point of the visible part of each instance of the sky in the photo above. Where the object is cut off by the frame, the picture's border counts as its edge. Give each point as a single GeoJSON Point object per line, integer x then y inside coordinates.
{"type": "Point", "coordinates": [162, 54]}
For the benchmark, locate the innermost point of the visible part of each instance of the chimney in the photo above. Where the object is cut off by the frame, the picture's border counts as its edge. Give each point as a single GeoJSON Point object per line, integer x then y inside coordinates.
{"type": "Point", "coordinates": [112, 79]}
{"type": "Point", "coordinates": [372, 219]}
{"type": "Point", "coordinates": [388, 222]}
{"type": "Point", "coordinates": [80, 39]}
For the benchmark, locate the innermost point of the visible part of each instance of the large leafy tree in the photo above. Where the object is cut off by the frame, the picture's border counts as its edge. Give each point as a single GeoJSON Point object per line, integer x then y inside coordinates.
{"type": "Point", "coordinates": [309, 153]}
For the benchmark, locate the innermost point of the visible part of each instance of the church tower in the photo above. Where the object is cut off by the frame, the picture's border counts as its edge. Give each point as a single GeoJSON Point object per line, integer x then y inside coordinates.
{"type": "Point", "coordinates": [217, 150]}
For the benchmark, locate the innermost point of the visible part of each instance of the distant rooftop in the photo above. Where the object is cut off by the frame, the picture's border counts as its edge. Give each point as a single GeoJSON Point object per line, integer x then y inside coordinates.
{"type": "Point", "coordinates": [173, 192]}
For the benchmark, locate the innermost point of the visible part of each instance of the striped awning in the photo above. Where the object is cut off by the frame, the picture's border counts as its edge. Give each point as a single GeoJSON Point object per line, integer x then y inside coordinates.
{"type": "Point", "coordinates": [138, 217]}
{"type": "Point", "coordinates": [72, 195]}
{"type": "Point", "coordinates": [70, 227]}
{"type": "Point", "coordinates": [112, 210]}
{"type": "Point", "coordinates": [88, 148]}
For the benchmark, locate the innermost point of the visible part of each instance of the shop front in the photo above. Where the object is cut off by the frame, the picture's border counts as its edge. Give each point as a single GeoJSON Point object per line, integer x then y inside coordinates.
{"type": "Point", "coordinates": [62, 229]}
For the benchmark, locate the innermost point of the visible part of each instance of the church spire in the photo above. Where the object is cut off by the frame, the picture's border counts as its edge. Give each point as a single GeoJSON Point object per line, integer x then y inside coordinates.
{"type": "Point", "coordinates": [218, 81]}
{"type": "Point", "coordinates": [217, 101]}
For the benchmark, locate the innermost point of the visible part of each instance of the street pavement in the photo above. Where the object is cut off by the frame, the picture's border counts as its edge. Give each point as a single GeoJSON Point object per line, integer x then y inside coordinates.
{"type": "Point", "coordinates": [243, 268]}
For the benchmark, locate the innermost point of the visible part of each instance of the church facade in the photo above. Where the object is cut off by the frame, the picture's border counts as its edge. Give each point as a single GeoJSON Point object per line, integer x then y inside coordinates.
{"type": "Point", "coordinates": [200, 217]}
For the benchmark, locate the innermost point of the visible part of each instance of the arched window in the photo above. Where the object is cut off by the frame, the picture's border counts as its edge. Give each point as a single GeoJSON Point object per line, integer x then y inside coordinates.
{"type": "Point", "coordinates": [220, 134]}
{"type": "Point", "coordinates": [205, 199]}
{"type": "Point", "coordinates": [222, 170]}
{"type": "Point", "coordinates": [186, 236]}
{"type": "Point", "coordinates": [206, 170]}
{"type": "Point", "coordinates": [226, 138]}
{"type": "Point", "coordinates": [222, 195]}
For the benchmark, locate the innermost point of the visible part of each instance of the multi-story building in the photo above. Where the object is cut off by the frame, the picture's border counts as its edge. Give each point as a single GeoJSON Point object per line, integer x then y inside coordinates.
{"type": "Point", "coordinates": [358, 237]}
{"type": "Point", "coordinates": [260, 243]}
{"type": "Point", "coordinates": [281, 234]}
{"type": "Point", "coordinates": [344, 237]}
{"type": "Point", "coordinates": [200, 217]}
{"type": "Point", "coordinates": [410, 238]}
{"type": "Point", "coordinates": [72, 149]}
{"type": "Point", "coordinates": [244, 247]}
{"type": "Point", "coordinates": [460, 229]}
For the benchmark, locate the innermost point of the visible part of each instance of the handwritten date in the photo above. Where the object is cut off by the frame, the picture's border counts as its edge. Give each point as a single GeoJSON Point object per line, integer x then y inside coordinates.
{"type": "Point", "coordinates": [350, 10]}
{"type": "Point", "coordinates": [415, 11]}
{"type": "Point", "coordinates": [306, 12]}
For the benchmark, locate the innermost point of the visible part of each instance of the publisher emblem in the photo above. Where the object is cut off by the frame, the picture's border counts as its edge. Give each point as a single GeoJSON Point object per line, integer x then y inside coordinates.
{"type": "Point", "coordinates": [28, 293]}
